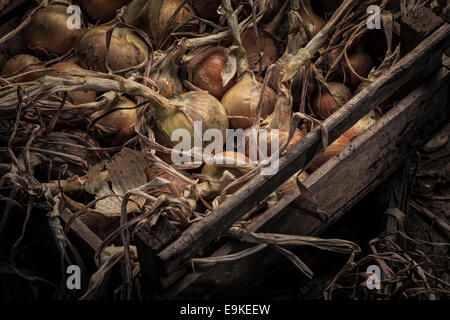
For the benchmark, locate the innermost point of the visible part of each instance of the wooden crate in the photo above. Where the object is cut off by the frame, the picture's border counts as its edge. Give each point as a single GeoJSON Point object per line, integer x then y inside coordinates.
{"type": "Point", "coordinates": [358, 169]}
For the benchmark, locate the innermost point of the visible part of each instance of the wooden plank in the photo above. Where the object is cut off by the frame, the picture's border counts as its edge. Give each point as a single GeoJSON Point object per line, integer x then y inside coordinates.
{"type": "Point", "coordinates": [203, 232]}
{"type": "Point", "coordinates": [338, 185]}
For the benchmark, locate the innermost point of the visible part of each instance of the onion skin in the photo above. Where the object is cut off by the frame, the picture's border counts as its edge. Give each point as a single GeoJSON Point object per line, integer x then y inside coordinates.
{"type": "Point", "coordinates": [116, 127]}
{"type": "Point", "coordinates": [241, 102]}
{"type": "Point", "coordinates": [102, 10]}
{"type": "Point", "coordinates": [126, 49]}
{"type": "Point", "coordinates": [207, 9]}
{"type": "Point", "coordinates": [177, 184]}
{"type": "Point", "coordinates": [335, 148]}
{"type": "Point", "coordinates": [325, 104]}
{"type": "Point", "coordinates": [267, 136]}
{"type": "Point", "coordinates": [75, 97]}
{"type": "Point", "coordinates": [47, 33]}
{"type": "Point", "coordinates": [207, 72]}
{"type": "Point", "coordinates": [195, 106]}
{"type": "Point", "coordinates": [24, 63]}
{"type": "Point", "coordinates": [267, 45]}
{"type": "Point", "coordinates": [158, 13]}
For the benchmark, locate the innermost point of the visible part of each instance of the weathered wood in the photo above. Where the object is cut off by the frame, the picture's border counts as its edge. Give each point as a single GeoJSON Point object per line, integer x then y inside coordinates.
{"type": "Point", "coordinates": [338, 185]}
{"type": "Point", "coordinates": [150, 239]}
{"type": "Point", "coordinates": [203, 232]}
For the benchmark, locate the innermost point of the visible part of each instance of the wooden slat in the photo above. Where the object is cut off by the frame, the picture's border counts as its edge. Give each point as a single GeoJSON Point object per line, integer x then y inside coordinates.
{"type": "Point", "coordinates": [338, 185]}
{"type": "Point", "coordinates": [203, 232]}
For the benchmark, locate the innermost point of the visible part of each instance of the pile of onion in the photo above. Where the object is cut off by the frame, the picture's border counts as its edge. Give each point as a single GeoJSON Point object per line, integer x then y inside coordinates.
{"type": "Point", "coordinates": [330, 98]}
{"type": "Point", "coordinates": [75, 97]}
{"type": "Point", "coordinates": [126, 49]}
{"type": "Point", "coordinates": [102, 10]}
{"type": "Point", "coordinates": [47, 33]}
{"type": "Point", "coordinates": [204, 71]}
{"type": "Point", "coordinates": [24, 63]}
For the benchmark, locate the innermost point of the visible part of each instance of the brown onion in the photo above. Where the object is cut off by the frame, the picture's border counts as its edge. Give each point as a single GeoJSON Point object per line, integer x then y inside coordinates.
{"type": "Point", "coordinates": [207, 9]}
{"type": "Point", "coordinates": [330, 99]}
{"type": "Point", "coordinates": [216, 170]}
{"type": "Point", "coordinates": [103, 10]}
{"type": "Point", "coordinates": [47, 32]}
{"type": "Point", "coordinates": [126, 49]}
{"type": "Point", "coordinates": [313, 22]}
{"type": "Point", "coordinates": [117, 126]}
{"type": "Point", "coordinates": [267, 45]}
{"type": "Point", "coordinates": [335, 148]}
{"type": "Point", "coordinates": [361, 63]}
{"type": "Point", "coordinates": [75, 97]}
{"type": "Point", "coordinates": [205, 71]}
{"type": "Point", "coordinates": [166, 76]}
{"type": "Point", "coordinates": [241, 101]}
{"type": "Point", "coordinates": [266, 136]}
{"type": "Point", "coordinates": [24, 63]}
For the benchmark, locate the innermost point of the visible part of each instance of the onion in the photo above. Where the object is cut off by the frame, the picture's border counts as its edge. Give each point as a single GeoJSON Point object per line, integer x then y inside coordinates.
{"type": "Point", "coordinates": [75, 97]}
{"type": "Point", "coordinates": [310, 19]}
{"type": "Point", "coordinates": [118, 126]}
{"type": "Point", "coordinates": [335, 148]}
{"type": "Point", "coordinates": [361, 63]}
{"type": "Point", "coordinates": [126, 49]}
{"type": "Point", "coordinates": [266, 44]}
{"type": "Point", "coordinates": [47, 32]}
{"type": "Point", "coordinates": [103, 10]}
{"type": "Point", "coordinates": [266, 136]}
{"type": "Point", "coordinates": [205, 71]}
{"type": "Point", "coordinates": [23, 63]}
{"type": "Point", "coordinates": [241, 101]}
{"type": "Point", "coordinates": [154, 18]}
{"type": "Point", "coordinates": [330, 99]}
{"type": "Point", "coordinates": [182, 111]}
{"type": "Point", "coordinates": [166, 77]}
{"type": "Point", "coordinates": [207, 9]}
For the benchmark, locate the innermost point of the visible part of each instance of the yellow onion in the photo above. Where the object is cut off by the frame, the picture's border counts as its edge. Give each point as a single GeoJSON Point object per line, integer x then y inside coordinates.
{"type": "Point", "coordinates": [267, 45]}
{"type": "Point", "coordinates": [181, 112]}
{"type": "Point", "coordinates": [205, 71]}
{"type": "Point", "coordinates": [313, 22]}
{"type": "Point", "coordinates": [207, 8]}
{"type": "Point", "coordinates": [330, 99]}
{"type": "Point", "coordinates": [154, 18]}
{"type": "Point", "coordinates": [241, 101]}
{"type": "Point", "coordinates": [103, 10]}
{"type": "Point", "coordinates": [116, 127]}
{"type": "Point", "coordinates": [166, 76]}
{"type": "Point", "coordinates": [75, 97]}
{"type": "Point", "coordinates": [24, 63]}
{"type": "Point", "coordinates": [126, 49]}
{"type": "Point", "coordinates": [361, 63]}
{"type": "Point", "coordinates": [47, 32]}
{"type": "Point", "coordinates": [266, 136]}
{"type": "Point", "coordinates": [333, 149]}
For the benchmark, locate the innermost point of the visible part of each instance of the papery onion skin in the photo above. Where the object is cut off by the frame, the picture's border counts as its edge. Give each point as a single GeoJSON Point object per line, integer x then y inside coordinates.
{"type": "Point", "coordinates": [169, 85]}
{"type": "Point", "coordinates": [126, 49]}
{"type": "Point", "coordinates": [118, 126]}
{"type": "Point", "coordinates": [325, 104]}
{"type": "Point", "coordinates": [47, 33]}
{"type": "Point", "coordinates": [75, 97]}
{"type": "Point", "coordinates": [102, 10]}
{"type": "Point", "coordinates": [207, 72]}
{"type": "Point", "coordinates": [267, 45]}
{"type": "Point", "coordinates": [241, 102]}
{"type": "Point", "coordinates": [335, 148]}
{"type": "Point", "coordinates": [23, 63]}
